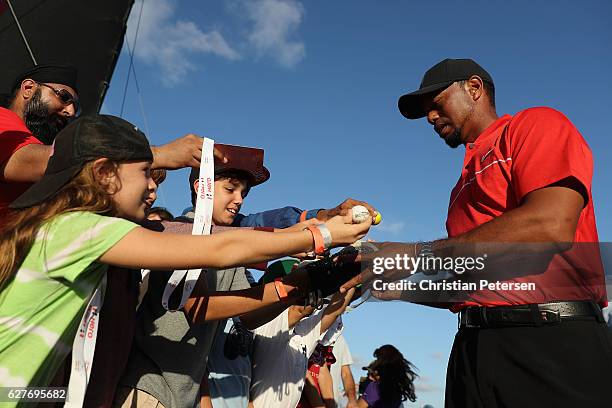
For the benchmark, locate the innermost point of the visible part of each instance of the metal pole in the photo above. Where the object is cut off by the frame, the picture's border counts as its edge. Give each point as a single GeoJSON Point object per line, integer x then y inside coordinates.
{"type": "Point", "coordinates": [21, 31]}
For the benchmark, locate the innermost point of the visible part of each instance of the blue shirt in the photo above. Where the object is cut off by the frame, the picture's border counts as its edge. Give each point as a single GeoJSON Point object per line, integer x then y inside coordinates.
{"type": "Point", "coordinates": [279, 218]}
{"type": "Point", "coordinates": [228, 380]}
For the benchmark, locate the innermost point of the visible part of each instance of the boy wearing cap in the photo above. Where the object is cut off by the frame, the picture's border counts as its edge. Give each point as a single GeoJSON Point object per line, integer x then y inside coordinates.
{"type": "Point", "coordinates": [170, 350]}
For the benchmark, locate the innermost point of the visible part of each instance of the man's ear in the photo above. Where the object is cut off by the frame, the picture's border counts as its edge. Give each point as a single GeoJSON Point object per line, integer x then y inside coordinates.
{"type": "Point", "coordinates": [475, 87]}
{"type": "Point", "coordinates": [196, 184]}
{"type": "Point", "coordinates": [105, 173]}
{"type": "Point", "coordinates": [28, 88]}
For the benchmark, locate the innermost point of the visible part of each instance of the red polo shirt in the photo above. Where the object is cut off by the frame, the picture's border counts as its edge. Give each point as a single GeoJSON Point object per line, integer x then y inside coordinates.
{"type": "Point", "coordinates": [13, 136]}
{"type": "Point", "coordinates": [511, 158]}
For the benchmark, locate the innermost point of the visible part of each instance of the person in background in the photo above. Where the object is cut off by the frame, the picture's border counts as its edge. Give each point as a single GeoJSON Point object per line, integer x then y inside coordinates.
{"type": "Point", "coordinates": [159, 214]}
{"type": "Point", "coordinates": [42, 101]}
{"type": "Point", "coordinates": [341, 374]}
{"type": "Point", "coordinates": [392, 380]}
{"type": "Point", "coordinates": [282, 348]}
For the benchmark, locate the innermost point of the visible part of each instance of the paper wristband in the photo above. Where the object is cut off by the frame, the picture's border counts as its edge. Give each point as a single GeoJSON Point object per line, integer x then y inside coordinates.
{"type": "Point", "coordinates": [327, 237]}
{"type": "Point", "coordinates": [280, 289]}
{"type": "Point", "coordinates": [319, 243]}
{"type": "Point", "coordinates": [303, 216]}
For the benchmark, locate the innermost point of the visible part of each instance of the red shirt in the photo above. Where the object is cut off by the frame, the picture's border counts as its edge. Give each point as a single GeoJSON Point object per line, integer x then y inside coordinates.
{"type": "Point", "coordinates": [511, 158]}
{"type": "Point", "coordinates": [13, 136]}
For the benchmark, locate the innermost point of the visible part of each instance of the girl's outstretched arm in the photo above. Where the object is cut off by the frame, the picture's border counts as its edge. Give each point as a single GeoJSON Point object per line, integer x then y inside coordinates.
{"type": "Point", "coordinates": [142, 248]}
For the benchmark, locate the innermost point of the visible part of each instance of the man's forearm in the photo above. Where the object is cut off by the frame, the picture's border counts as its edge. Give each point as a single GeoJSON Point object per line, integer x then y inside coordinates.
{"type": "Point", "coordinates": [534, 220]}
{"type": "Point", "coordinates": [158, 158]}
{"type": "Point", "coordinates": [26, 165]}
{"type": "Point", "coordinates": [349, 384]}
{"type": "Point", "coordinates": [326, 386]}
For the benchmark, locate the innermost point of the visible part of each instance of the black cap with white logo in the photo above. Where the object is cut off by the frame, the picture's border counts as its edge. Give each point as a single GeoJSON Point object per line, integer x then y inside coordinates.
{"type": "Point", "coordinates": [437, 78]}
{"type": "Point", "coordinates": [87, 138]}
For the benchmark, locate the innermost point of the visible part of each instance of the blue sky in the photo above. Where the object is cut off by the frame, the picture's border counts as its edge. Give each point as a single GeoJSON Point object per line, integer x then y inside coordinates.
{"type": "Point", "coordinates": [316, 84]}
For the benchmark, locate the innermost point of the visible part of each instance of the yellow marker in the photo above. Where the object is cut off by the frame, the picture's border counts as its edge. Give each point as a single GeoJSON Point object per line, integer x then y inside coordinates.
{"type": "Point", "coordinates": [377, 219]}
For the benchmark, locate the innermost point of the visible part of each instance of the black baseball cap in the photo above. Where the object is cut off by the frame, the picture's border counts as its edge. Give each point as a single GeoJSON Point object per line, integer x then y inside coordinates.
{"type": "Point", "coordinates": [87, 138]}
{"type": "Point", "coordinates": [58, 74]}
{"type": "Point", "coordinates": [437, 78]}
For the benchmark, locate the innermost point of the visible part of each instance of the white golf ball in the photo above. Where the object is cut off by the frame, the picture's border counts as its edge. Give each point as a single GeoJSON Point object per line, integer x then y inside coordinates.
{"type": "Point", "coordinates": [360, 214]}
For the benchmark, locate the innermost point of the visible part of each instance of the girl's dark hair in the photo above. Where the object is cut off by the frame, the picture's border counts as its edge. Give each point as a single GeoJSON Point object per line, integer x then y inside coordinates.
{"type": "Point", "coordinates": [396, 374]}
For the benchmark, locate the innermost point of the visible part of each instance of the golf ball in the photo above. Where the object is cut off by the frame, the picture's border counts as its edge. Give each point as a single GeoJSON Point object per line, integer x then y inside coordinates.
{"type": "Point", "coordinates": [360, 214]}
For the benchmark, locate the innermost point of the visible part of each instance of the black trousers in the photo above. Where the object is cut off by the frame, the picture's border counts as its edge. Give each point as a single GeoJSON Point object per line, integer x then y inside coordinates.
{"type": "Point", "coordinates": [564, 365]}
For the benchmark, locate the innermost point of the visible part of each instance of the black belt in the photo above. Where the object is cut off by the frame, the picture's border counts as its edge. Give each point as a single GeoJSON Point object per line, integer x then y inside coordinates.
{"type": "Point", "coordinates": [528, 315]}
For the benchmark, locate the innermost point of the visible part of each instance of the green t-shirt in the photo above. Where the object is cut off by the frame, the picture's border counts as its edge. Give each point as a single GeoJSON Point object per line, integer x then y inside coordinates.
{"type": "Point", "coordinates": [40, 309]}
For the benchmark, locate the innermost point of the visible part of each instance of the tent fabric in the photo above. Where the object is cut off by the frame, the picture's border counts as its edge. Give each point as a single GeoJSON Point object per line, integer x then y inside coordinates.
{"type": "Point", "coordinates": [86, 34]}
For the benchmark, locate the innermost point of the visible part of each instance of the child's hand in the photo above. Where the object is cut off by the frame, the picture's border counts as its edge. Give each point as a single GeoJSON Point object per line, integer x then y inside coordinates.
{"type": "Point", "coordinates": [344, 232]}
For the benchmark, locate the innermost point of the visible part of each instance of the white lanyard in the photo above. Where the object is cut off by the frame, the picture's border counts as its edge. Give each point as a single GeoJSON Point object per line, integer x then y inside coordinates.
{"type": "Point", "coordinates": [202, 223]}
{"type": "Point", "coordinates": [83, 348]}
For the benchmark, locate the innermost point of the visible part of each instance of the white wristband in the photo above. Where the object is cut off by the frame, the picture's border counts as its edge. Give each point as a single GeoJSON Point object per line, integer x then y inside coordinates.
{"type": "Point", "coordinates": [327, 237]}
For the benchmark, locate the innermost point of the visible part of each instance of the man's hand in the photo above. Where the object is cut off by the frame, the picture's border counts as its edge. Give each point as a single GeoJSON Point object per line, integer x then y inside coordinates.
{"type": "Point", "coordinates": [185, 151]}
{"type": "Point", "coordinates": [370, 268]}
{"type": "Point", "coordinates": [352, 404]}
{"type": "Point", "coordinates": [342, 209]}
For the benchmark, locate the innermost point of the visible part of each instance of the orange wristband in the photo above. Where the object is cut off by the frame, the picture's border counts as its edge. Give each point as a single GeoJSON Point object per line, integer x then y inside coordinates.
{"type": "Point", "coordinates": [280, 289]}
{"type": "Point", "coordinates": [303, 216]}
{"type": "Point", "coordinates": [319, 243]}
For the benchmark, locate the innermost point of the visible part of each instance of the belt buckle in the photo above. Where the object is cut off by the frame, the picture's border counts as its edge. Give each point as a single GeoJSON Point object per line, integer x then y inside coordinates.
{"type": "Point", "coordinates": [466, 323]}
{"type": "Point", "coordinates": [550, 316]}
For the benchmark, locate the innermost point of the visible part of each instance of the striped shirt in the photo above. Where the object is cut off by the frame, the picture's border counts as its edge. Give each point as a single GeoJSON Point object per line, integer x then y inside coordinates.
{"type": "Point", "coordinates": [41, 307]}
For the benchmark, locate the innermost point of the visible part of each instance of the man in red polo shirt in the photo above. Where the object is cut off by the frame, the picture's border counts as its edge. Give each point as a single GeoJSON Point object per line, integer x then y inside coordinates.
{"type": "Point", "coordinates": [525, 179]}
{"type": "Point", "coordinates": [41, 102]}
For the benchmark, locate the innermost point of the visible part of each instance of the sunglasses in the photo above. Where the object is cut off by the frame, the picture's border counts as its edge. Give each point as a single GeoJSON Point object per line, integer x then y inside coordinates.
{"type": "Point", "coordinates": [65, 96]}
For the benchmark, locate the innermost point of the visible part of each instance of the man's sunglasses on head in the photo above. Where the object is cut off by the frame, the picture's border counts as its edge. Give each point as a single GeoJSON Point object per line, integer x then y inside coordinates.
{"type": "Point", "coordinates": [65, 96]}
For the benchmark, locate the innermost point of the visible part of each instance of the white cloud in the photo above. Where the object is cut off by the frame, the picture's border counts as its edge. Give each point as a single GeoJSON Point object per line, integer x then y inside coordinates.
{"type": "Point", "coordinates": [275, 21]}
{"type": "Point", "coordinates": [170, 43]}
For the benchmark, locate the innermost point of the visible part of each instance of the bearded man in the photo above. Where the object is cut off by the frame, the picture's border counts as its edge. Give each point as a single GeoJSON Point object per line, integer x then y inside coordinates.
{"type": "Point", "coordinates": [43, 100]}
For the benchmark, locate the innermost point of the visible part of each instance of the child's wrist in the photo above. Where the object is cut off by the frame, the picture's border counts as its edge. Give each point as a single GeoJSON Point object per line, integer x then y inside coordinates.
{"type": "Point", "coordinates": [281, 291]}
{"type": "Point", "coordinates": [297, 284]}
{"type": "Point", "coordinates": [322, 238]}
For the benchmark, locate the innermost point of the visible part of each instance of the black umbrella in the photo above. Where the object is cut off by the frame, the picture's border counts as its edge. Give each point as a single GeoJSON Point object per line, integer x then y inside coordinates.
{"type": "Point", "coordinates": [87, 34]}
